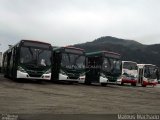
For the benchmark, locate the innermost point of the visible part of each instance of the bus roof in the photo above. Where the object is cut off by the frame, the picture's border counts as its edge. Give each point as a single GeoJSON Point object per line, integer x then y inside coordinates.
{"type": "Point", "coordinates": [69, 49]}
{"type": "Point", "coordinates": [35, 41]}
{"type": "Point", "coordinates": [56, 48]}
{"type": "Point", "coordinates": [102, 53]}
{"type": "Point", "coordinates": [129, 61]}
{"type": "Point", "coordinates": [146, 64]}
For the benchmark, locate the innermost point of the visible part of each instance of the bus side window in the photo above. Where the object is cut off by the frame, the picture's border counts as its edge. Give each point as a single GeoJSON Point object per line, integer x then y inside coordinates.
{"type": "Point", "coordinates": [147, 72]}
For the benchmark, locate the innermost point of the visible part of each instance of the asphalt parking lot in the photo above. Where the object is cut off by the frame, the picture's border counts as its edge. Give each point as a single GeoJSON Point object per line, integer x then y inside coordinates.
{"type": "Point", "coordinates": [48, 98]}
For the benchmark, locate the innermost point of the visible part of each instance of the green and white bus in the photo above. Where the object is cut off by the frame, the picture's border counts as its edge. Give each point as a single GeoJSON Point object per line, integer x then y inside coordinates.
{"type": "Point", "coordinates": [28, 59]}
{"type": "Point", "coordinates": [102, 67]}
{"type": "Point", "coordinates": [68, 64]}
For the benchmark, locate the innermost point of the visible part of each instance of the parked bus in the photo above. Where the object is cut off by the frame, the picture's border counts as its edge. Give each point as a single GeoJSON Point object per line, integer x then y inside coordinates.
{"type": "Point", "coordinates": [129, 73]}
{"type": "Point", "coordinates": [158, 75]}
{"type": "Point", "coordinates": [147, 74]}
{"type": "Point", "coordinates": [28, 60]}
{"type": "Point", "coordinates": [102, 67]}
{"type": "Point", "coordinates": [68, 64]}
{"type": "Point", "coordinates": [1, 62]}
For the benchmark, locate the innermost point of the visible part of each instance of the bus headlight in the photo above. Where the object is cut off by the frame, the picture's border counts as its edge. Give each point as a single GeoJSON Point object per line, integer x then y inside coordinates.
{"type": "Point", "coordinates": [136, 77]}
{"type": "Point", "coordinates": [103, 75]}
{"type": "Point", "coordinates": [48, 71]}
{"type": "Point", "coordinates": [21, 69]}
{"type": "Point", "coordinates": [82, 74]}
{"type": "Point", "coordinates": [62, 72]}
{"type": "Point", "coordinates": [120, 78]}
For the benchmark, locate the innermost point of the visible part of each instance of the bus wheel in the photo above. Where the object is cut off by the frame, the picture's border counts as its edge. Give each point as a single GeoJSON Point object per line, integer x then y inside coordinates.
{"type": "Point", "coordinates": [19, 80]}
{"type": "Point", "coordinates": [133, 84]}
{"type": "Point", "coordinates": [143, 85]}
{"type": "Point", "coordinates": [5, 76]}
{"type": "Point", "coordinates": [87, 82]}
{"type": "Point", "coordinates": [122, 83]}
{"type": "Point", "coordinates": [71, 82]}
{"type": "Point", "coordinates": [38, 81]}
{"type": "Point", "coordinates": [103, 84]}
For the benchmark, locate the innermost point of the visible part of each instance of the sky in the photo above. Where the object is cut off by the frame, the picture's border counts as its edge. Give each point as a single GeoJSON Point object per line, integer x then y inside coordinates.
{"type": "Point", "coordinates": [68, 22]}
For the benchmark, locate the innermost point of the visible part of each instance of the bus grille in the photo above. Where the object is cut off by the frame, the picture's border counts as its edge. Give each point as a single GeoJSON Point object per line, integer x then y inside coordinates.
{"type": "Point", "coordinates": [73, 76]}
{"type": "Point", "coordinates": [33, 73]}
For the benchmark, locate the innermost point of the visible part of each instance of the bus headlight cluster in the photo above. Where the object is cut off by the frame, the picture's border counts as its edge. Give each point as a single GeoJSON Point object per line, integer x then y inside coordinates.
{"type": "Point", "coordinates": [136, 77]}
{"type": "Point", "coordinates": [82, 74]}
{"type": "Point", "coordinates": [103, 75]}
{"type": "Point", "coordinates": [21, 69]}
{"type": "Point", "coordinates": [62, 72]}
{"type": "Point", "coordinates": [48, 71]}
{"type": "Point", "coordinates": [119, 79]}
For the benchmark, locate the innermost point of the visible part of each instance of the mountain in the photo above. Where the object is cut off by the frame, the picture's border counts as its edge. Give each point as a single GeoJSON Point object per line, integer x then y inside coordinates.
{"type": "Point", "coordinates": [129, 49]}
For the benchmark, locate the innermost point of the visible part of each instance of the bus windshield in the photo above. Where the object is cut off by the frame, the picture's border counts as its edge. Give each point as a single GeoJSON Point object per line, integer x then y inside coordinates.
{"type": "Point", "coordinates": [150, 72]}
{"type": "Point", "coordinates": [130, 66]}
{"type": "Point", "coordinates": [73, 61]}
{"type": "Point", "coordinates": [111, 65]}
{"type": "Point", "coordinates": [35, 56]}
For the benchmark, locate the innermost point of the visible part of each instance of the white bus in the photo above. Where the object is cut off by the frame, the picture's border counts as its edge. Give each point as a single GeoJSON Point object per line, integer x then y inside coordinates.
{"type": "Point", "coordinates": [147, 74]}
{"type": "Point", "coordinates": [129, 73]}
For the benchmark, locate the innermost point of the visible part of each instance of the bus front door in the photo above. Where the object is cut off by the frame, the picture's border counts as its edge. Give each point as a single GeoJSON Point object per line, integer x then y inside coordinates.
{"type": "Point", "coordinates": [140, 76]}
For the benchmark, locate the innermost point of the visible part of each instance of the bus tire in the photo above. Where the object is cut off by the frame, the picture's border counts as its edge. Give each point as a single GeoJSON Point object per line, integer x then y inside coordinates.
{"type": "Point", "coordinates": [143, 85]}
{"type": "Point", "coordinates": [5, 76]}
{"type": "Point", "coordinates": [38, 81]}
{"type": "Point", "coordinates": [133, 84]}
{"type": "Point", "coordinates": [87, 82]}
{"type": "Point", "coordinates": [19, 80]}
{"type": "Point", "coordinates": [103, 84]}
{"type": "Point", "coordinates": [71, 82]}
{"type": "Point", "coordinates": [122, 83]}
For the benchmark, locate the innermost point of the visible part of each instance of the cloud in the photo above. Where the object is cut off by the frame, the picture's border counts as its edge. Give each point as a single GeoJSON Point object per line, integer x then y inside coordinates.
{"type": "Point", "coordinates": [75, 21]}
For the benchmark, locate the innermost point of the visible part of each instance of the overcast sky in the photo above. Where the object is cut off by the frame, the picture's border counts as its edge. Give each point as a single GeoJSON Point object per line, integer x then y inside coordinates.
{"type": "Point", "coordinates": [65, 22]}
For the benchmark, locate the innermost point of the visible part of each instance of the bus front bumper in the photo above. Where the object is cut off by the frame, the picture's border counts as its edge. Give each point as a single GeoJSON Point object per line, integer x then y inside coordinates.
{"type": "Point", "coordinates": [132, 81]}
{"type": "Point", "coordinates": [154, 83]}
{"type": "Point", "coordinates": [22, 75]}
{"type": "Point", "coordinates": [66, 78]}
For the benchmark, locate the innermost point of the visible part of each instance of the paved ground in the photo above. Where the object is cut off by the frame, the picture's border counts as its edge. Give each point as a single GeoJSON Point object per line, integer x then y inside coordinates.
{"type": "Point", "coordinates": [45, 97]}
